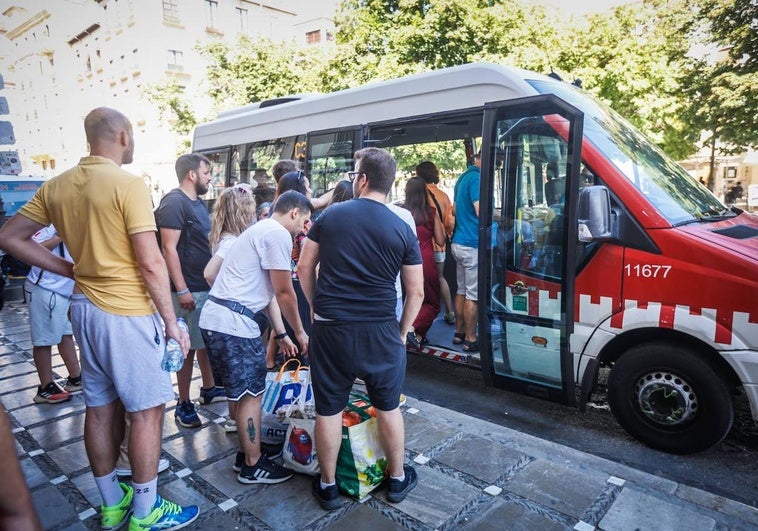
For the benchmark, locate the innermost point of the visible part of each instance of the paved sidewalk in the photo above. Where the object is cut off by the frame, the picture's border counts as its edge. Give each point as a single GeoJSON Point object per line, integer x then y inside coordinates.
{"type": "Point", "coordinates": [472, 474]}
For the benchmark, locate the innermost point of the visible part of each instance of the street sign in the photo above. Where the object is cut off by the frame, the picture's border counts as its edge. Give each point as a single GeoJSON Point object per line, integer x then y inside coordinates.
{"type": "Point", "coordinates": [9, 163]}
{"type": "Point", "coordinates": [6, 133]}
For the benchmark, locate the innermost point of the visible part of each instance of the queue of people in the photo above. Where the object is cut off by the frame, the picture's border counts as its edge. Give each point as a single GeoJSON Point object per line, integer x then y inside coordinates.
{"type": "Point", "coordinates": [255, 282]}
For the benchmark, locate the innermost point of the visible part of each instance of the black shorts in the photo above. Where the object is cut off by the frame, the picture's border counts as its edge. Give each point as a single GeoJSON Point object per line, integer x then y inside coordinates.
{"type": "Point", "coordinates": [343, 351]}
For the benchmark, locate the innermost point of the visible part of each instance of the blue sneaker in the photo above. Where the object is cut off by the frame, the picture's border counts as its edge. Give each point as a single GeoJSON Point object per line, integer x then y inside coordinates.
{"type": "Point", "coordinates": [165, 515]}
{"type": "Point", "coordinates": [186, 415]}
{"type": "Point", "coordinates": [209, 395]}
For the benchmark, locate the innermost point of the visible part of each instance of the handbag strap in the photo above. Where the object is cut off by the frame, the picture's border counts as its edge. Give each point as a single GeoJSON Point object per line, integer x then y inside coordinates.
{"type": "Point", "coordinates": [296, 370]}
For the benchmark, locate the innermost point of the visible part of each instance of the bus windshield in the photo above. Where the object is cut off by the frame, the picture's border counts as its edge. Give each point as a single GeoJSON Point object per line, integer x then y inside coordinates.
{"type": "Point", "coordinates": [665, 184]}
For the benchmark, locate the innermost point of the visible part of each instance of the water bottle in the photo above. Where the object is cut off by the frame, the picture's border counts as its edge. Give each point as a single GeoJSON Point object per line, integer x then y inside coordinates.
{"type": "Point", "coordinates": [173, 358]}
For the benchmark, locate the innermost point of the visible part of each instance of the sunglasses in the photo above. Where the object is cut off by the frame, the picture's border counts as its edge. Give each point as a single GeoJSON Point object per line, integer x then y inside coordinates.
{"type": "Point", "coordinates": [352, 175]}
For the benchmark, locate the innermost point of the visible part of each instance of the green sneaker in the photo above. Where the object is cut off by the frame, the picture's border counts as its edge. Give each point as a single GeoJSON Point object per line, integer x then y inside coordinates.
{"type": "Point", "coordinates": [165, 515]}
{"type": "Point", "coordinates": [115, 516]}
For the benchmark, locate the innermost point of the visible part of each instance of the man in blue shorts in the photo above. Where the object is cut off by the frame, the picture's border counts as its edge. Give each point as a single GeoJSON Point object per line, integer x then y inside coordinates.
{"type": "Point", "coordinates": [361, 245]}
{"type": "Point", "coordinates": [256, 268]}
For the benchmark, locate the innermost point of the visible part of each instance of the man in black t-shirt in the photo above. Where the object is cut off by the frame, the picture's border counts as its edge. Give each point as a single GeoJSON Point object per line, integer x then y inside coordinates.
{"type": "Point", "coordinates": [184, 224]}
{"type": "Point", "coordinates": [360, 246]}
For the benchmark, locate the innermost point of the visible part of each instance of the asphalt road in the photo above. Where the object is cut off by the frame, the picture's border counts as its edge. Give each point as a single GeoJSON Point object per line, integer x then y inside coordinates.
{"type": "Point", "coordinates": [729, 469]}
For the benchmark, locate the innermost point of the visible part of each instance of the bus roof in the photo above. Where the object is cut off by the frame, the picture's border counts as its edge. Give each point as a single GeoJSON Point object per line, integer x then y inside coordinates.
{"type": "Point", "coordinates": [448, 89]}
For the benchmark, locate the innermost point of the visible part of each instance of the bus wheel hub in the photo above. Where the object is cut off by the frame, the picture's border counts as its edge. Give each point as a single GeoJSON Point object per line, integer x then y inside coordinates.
{"type": "Point", "coordinates": [666, 398]}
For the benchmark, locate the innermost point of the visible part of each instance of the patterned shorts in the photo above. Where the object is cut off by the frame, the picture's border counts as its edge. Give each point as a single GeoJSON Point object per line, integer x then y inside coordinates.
{"type": "Point", "coordinates": [239, 363]}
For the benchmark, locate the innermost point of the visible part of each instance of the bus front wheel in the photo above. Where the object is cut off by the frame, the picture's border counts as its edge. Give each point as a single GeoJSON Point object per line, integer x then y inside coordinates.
{"type": "Point", "coordinates": [670, 398]}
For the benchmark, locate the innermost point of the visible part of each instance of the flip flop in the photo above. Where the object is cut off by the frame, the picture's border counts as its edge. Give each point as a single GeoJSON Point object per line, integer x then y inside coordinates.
{"type": "Point", "coordinates": [458, 339]}
{"type": "Point", "coordinates": [471, 346]}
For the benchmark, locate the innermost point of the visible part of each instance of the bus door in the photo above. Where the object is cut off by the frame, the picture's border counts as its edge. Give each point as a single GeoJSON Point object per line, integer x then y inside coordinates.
{"type": "Point", "coordinates": [531, 152]}
{"type": "Point", "coordinates": [330, 155]}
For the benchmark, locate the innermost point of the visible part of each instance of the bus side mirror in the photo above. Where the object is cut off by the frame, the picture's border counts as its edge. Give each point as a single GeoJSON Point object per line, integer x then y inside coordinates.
{"type": "Point", "coordinates": [594, 214]}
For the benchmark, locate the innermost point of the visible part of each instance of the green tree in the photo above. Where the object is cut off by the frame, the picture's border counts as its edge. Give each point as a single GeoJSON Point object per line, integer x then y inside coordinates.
{"type": "Point", "coordinates": [635, 59]}
{"type": "Point", "coordinates": [173, 107]}
{"type": "Point", "coordinates": [722, 95]}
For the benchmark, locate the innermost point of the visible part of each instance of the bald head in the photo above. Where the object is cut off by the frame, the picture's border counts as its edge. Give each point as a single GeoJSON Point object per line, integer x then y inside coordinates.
{"type": "Point", "coordinates": [109, 134]}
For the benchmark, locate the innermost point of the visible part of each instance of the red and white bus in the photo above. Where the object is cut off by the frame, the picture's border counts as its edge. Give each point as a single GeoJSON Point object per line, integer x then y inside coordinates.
{"type": "Point", "coordinates": [629, 267]}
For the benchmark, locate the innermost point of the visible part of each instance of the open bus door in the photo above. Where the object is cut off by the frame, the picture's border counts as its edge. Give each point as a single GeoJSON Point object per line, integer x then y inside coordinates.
{"type": "Point", "coordinates": [531, 153]}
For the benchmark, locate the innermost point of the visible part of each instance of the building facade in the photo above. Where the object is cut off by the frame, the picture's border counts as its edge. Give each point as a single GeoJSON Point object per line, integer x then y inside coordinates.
{"type": "Point", "coordinates": [62, 59]}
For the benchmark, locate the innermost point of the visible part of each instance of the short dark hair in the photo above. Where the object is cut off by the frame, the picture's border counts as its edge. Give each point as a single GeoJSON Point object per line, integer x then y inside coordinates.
{"type": "Point", "coordinates": [289, 200]}
{"type": "Point", "coordinates": [428, 171]}
{"type": "Point", "coordinates": [379, 167]}
{"type": "Point", "coordinates": [281, 167]}
{"type": "Point", "coordinates": [293, 180]}
{"type": "Point", "coordinates": [188, 162]}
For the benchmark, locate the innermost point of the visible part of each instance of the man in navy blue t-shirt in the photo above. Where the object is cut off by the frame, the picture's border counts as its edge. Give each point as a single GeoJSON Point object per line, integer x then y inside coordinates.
{"type": "Point", "coordinates": [361, 246]}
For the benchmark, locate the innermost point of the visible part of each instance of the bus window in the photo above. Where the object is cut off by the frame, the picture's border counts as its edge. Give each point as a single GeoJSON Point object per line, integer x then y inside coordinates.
{"type": "Point", "coordinates": [449, 156]}
{"type": "Point", "coordinates": [219, 161]}
{"type": "Point", "coordinates": [330, 155]}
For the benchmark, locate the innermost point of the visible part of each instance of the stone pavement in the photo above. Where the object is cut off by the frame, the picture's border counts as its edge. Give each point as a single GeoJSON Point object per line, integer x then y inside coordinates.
{"type": "Point", "coordinates": [472, 474]}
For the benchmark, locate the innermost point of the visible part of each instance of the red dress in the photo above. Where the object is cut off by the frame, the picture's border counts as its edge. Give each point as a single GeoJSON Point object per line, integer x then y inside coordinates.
{"type": "Point", "coordinates": [431, 305]}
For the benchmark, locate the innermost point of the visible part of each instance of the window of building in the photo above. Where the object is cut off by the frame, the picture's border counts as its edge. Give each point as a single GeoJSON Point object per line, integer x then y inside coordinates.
{"type": "Point", "coordinates": [313, 37]}
{"type": "Point", "coordinates": [242, 17]}
{"type": "Point", "coordinates": [211, 14]}
{"type": "Point", "coordinates": [171, 11]}
{"type": "Point", "coordinates": [175, 60]}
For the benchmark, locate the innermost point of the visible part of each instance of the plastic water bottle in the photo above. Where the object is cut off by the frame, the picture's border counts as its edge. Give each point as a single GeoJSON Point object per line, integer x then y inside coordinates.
{"type": "Point", "coordinates": [173, 358]}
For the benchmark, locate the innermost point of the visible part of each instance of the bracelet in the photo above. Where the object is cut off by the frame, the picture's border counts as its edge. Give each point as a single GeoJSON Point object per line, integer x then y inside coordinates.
{"type": "Point", "coordinates": [183, 292]}
{"type": "Point", "coordinates": [280, 336]}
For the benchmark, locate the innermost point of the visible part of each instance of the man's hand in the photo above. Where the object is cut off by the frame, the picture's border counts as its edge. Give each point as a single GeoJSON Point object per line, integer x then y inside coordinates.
{"type": "Point", "coordinates": [174, 331]}
{"type": "Point", "coordinates": [287, 347]}
{"type": "Point", "coordinates": [186, 301]}
{"type": "Point", "coordinates": [303, 339]}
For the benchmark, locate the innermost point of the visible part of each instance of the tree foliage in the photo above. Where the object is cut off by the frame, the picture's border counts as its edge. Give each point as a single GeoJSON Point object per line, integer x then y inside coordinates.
{"type": "Point", "coordinates": [634, 57]}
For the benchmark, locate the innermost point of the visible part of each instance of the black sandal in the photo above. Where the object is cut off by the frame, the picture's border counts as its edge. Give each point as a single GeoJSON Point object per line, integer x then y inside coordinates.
{"type": "Point", "coordinates": [412, 340]}
{"type": "Point", "coordinates": [471, 346]}
{"type": "Point", "coordinates": [458, 339]}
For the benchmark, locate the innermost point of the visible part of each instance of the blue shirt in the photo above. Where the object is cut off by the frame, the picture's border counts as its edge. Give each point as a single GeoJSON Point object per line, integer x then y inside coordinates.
{"type": "Point", "coordinates": [465, 194]}
{"type": "Point", "coordinates": [362, 247]}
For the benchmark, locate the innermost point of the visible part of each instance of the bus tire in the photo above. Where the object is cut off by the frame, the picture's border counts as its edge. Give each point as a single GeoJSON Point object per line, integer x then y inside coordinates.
{"type": "Point", "coordinates": [670, 398]}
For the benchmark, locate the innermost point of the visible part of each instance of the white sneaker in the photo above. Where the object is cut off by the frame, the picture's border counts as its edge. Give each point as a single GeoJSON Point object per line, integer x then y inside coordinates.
{"type": "Point", "coordinates": [230, 426]}
{"type": "Point", "coordinates": [162, 465]}
{"type": "Point", "coordinates": [403, 400]}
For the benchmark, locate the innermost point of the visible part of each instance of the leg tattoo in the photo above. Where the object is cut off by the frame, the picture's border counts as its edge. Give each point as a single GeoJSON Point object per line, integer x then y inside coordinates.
{"type": "Point", "coordinates": [251, 429]}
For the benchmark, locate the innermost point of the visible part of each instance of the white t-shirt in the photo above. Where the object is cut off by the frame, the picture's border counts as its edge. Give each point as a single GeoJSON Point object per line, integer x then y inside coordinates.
{"type": "Point", "coordinates": [405, 215]}
{"type": "Point", "coordinates": [49, 280]}
{"type": "Point", "coordinates": [224, 244]}
{"type": "Point", "coordinates": [244, 277]}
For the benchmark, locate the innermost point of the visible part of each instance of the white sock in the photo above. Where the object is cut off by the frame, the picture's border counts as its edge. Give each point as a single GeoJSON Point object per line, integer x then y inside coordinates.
{"type": "Point", "coordinates": [109, 489]}
{"type": "Point", "coordinates": [400, 479]}
{"type": "Point", "coordinates": [144, 497]}
{"type": "Point", "coordinates": [326, 485]}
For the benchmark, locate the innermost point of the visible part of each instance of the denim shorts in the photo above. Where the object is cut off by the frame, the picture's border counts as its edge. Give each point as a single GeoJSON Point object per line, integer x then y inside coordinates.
{"type": "Point", "coordinates": [239, 363]}
{"type": "Point", "coordinates": [342, 351]}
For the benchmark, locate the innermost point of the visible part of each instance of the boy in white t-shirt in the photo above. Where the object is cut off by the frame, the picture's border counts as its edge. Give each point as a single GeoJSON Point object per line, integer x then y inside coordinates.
{"type": "Point", "coordinates": [256, 268]}
{"type": "Point", "coordinates": [48, 295]}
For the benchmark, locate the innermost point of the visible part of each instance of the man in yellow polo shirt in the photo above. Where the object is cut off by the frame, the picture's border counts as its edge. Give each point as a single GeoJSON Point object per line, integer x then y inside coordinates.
{"type": "Point", "coordinates": [104, 216]}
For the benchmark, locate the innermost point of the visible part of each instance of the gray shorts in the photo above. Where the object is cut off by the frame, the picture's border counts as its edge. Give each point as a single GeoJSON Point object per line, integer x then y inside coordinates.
{"type": "Point", "coordinates": [48, 315]}
{"type": "Point", "coordinates": [192, 317]}
{"type": "Point", "coordinates": [467, 270]}
{"type": "Point", "coordinates": [120, 356]}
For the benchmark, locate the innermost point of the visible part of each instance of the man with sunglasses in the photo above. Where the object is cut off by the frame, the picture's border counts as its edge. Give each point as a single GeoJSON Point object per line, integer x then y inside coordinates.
{"type": "Point", "coordinates": [360, 246]}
